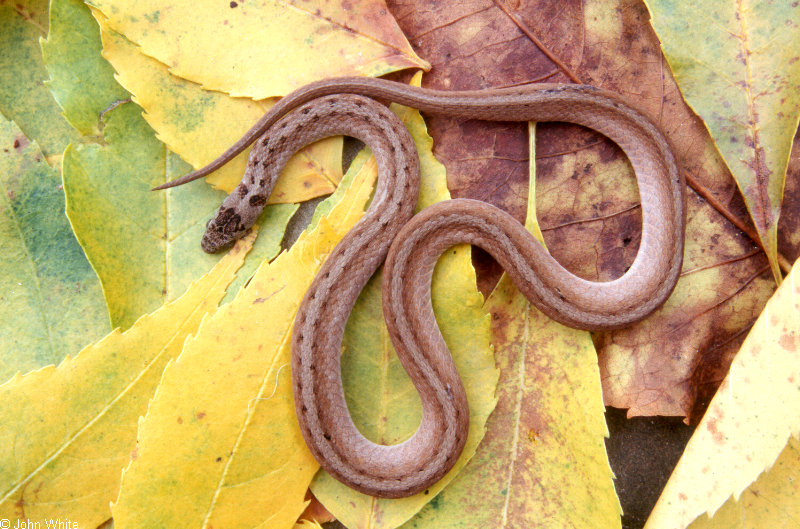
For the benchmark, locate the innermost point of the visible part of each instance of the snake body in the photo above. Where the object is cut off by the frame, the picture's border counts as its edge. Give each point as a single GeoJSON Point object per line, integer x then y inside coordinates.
{"type": "Point", "coordinates": [339, 106]}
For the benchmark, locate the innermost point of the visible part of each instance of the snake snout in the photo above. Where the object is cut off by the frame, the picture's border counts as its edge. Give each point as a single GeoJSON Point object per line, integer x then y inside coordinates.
{"type": "Point", "coordinates": [214, 240]}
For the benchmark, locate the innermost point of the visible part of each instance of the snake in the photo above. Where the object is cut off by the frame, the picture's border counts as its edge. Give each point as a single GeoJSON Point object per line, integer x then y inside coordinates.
{"type": "Point", "coordinates": [411, 244]}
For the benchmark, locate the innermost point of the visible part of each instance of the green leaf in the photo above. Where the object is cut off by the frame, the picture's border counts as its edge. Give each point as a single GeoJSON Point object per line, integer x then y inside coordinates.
{"type": "Point", "coordinates": [144, 245]}
{"type": "Point", "coordinates": [738, 67]}
{"type": "Point", "coordinates": [24, 98]}
{"type": "Point", "coordinates": [51, 303]}
{"type": "Point", "coordinates": [81, 80]}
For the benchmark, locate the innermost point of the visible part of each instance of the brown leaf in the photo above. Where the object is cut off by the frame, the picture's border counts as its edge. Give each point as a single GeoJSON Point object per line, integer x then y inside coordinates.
{"type": "Point", "coordinates": [788, 234]}
{"type": "Point", "coordinates": [316, 512]}
{"type": "Point", "coordinates": [587, 197]}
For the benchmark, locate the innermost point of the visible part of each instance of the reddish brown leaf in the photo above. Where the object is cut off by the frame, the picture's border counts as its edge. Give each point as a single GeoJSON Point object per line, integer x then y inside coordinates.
{"type": "Point", "coordinates": [788, 232]}
{"type": "Point", "coordinates": [586, 196]}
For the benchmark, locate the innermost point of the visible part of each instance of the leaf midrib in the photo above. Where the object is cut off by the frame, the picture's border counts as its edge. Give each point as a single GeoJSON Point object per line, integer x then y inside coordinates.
{"type": "Point", "coordinates": [34, 270]}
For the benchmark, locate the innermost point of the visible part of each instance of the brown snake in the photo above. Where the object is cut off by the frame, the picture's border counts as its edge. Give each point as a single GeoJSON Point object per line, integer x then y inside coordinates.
{"type": "Point", "coordinates": [332, 107]}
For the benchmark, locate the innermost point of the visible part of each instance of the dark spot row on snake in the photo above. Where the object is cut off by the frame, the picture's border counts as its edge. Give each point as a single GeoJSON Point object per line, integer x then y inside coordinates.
{"type": "Point", "coordinates": [229, 221]}
{"type": "Point", "coordinates": [257, 201]}
{"type": "Point", "coordinates": [243, 190]}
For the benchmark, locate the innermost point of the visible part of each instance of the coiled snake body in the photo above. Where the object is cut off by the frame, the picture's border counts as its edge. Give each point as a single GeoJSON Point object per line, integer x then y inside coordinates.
{"type": "Point", "coordinates": [339, 106]}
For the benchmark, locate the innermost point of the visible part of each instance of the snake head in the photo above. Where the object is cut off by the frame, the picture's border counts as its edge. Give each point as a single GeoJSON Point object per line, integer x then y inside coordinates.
{"type": "Point", "coordinates": [223, 230]}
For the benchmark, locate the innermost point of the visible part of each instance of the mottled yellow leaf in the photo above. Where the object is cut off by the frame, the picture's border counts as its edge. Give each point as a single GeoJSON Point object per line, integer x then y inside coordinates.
{"type": "Point", "coordinates": [388, 409]}
{"type": "Point", "coordinates": [66, 432]}
{"type": "Point", "coordinates": [749, 420]}
{"type": "Point", "coordinates": [220, 446]}
{"type": "Point", "coordinates": [738, 65]}
{"type": "Point", "coordinates": [542, 462]}
{"type": "Point", "coordinates": [24, 97]}
{"type": "Point", "coordinates": [200, 124]}
{"type": "Point", "coordinates": [264, 49]}
{"type": "Point", "coordinates": [769, 503]}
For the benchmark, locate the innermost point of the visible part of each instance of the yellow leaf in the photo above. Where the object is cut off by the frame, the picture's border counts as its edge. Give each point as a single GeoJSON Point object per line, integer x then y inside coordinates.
{"type": "Point", "coordinates": [67, 431]}
{"type": "Point", "coordinates": [220, 445]}
{"type": "Point", "coordinates": [264, 49]}
{"type": "Point", "coordinates": [199, 124]}
{"type": "Point", "coordinates": [749, 420]}
{"type": "Point", "coordinates": [542, 462]}
{"type": "Point", "coordinates": [770, 502]}
{"type": "Point", "coordinates": [388, 410]}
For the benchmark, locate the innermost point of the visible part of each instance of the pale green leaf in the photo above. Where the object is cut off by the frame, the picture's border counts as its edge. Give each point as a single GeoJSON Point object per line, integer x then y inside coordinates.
{"type": "Point", "coordinates": [51, 303]}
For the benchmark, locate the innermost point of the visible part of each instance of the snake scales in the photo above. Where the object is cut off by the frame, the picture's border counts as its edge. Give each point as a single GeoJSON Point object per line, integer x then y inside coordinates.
{"type": "Point", "coordinates": [344, 106]}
